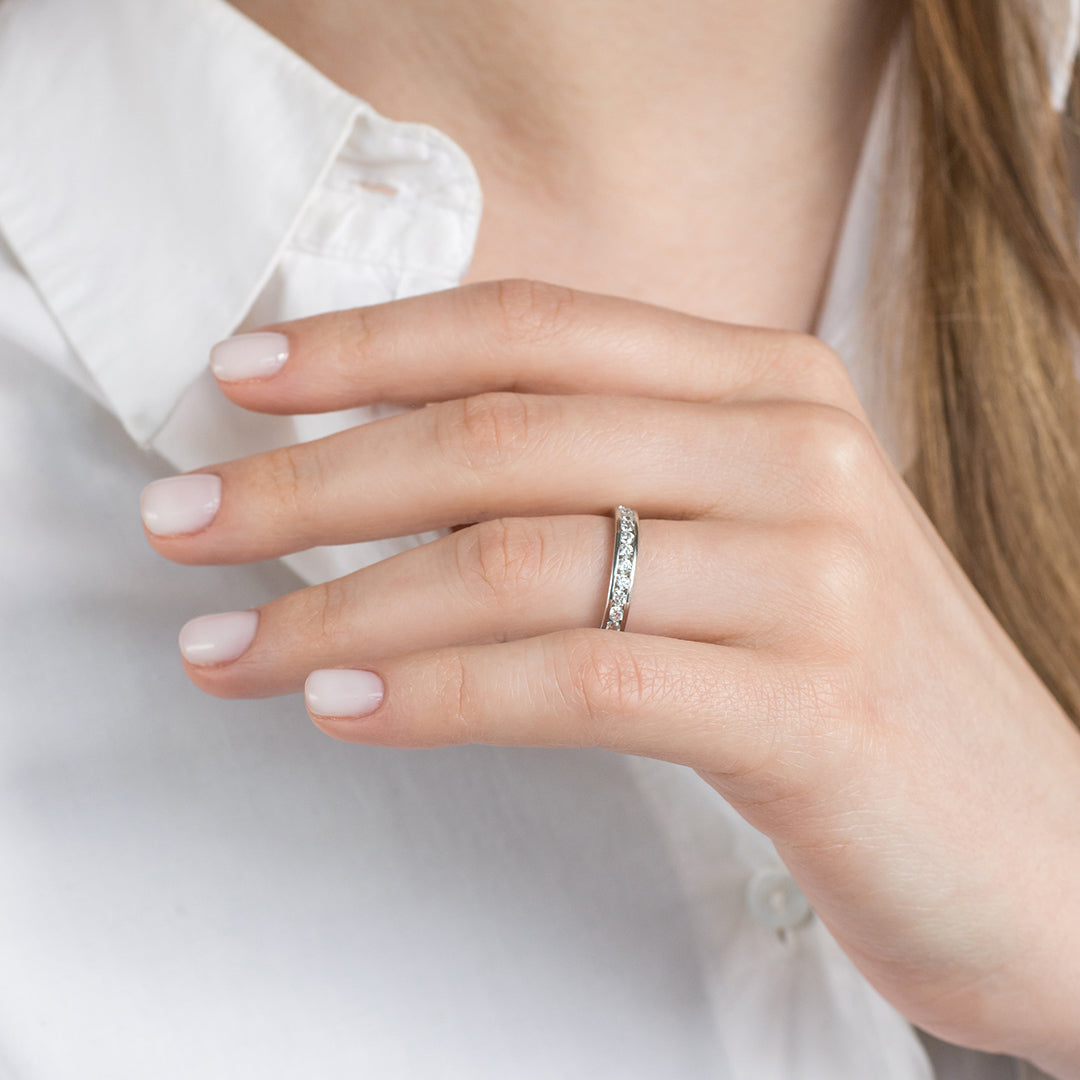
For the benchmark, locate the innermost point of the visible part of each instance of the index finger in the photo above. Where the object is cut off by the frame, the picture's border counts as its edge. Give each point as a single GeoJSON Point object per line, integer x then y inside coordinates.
{"type": "Point", "coordinates": [522, 336]}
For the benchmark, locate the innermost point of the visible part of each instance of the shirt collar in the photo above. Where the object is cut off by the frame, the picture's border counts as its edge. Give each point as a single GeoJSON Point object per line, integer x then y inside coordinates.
{"type": "Point", "coordinates": [156, 156]}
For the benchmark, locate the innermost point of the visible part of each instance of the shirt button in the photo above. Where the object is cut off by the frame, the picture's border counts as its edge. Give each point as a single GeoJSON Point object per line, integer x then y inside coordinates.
{"type": "Point", "coordinates": [775, 900]}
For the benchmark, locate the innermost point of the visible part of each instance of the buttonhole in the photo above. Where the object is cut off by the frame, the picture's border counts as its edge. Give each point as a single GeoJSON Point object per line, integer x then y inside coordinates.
{"type": "Point", "coordinates": [379, 189]}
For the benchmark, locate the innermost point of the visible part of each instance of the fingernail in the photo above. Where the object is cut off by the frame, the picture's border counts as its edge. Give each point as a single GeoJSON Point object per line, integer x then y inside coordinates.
{"type": "Point", "coordinates": [249, 356]}
{"type": "Point", "coordinates": [217, 639]}
{"type": "Point", "coordinates": [180, 504]}
{"type": "Point", "coordinates": [343, 692]}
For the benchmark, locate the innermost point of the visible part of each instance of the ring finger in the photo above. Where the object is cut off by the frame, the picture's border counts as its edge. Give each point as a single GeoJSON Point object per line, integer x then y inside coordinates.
{"type": "Point", "coordinates": [713, 581]}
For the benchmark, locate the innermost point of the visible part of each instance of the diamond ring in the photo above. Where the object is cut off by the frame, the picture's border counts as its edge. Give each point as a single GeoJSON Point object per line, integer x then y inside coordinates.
{"type": "Point", "coordinates": [622, 569]}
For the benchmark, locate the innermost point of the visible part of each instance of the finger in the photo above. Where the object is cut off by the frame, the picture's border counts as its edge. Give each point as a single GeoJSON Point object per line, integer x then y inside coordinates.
{"type": "Point", "coordinates": [524, 336]}
{"type": "Point", "coordinates": [720, 709]}
{"type": "Point", "coordinates": [520, 577]}
{"type": "Point", "coordinates": [507, 454]}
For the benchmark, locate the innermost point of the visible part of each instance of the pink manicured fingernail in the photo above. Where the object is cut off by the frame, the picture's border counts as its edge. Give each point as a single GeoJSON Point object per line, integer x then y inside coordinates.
{"type": "Point", "coordinates": [180, 504]}
{"type": "Point", "coordinates": [217, 639]}
{"type": "Point", "coordinates": [249, 356]}
{"type": "Point", "coordinates": [343, 692]}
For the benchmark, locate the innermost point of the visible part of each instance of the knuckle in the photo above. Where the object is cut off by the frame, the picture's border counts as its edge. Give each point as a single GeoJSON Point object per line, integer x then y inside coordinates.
{"type": "Point", "coordinates": [604, 682]}
{"type": "Point", "coordinates": [816, 366]}
{"type": "Point", "coordinates": [488, 432]}
{"type": "Point", "coordinates": [817, 703]}
{"type": "Point", "coordinates": [454, 693]}
{"type": "Point", "coordinates": [835, 586]}
{"type": "Point", "coordinates": [356, 343]}
{"type": "Point", "coordinates": [289, 480]}
{"type": "Point", "coordinates": [530, 312]}
{"type": "Point", "coordinates": [324, 612]}
{"type": "Point", "coordinates": [838, 454]}
{"type": "Point", "coordinates": [832, 719]}
{"type": "Point", "coordinates": [502, 559]}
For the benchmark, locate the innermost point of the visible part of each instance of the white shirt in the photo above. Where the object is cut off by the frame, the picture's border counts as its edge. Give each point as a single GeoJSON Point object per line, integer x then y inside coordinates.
{"type": "Point", "coordinates": [194, 887]}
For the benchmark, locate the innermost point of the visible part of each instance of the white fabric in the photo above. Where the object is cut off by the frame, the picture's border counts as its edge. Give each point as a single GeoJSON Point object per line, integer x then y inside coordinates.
{"type": "Point", "coordinates": [214, 889]}
{"type": "Point", "coordinates": [1061, 39]}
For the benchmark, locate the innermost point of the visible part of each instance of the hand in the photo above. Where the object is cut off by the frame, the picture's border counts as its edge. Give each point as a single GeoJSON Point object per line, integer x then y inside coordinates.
{"type": "Point", "coordinates": [798, 633]}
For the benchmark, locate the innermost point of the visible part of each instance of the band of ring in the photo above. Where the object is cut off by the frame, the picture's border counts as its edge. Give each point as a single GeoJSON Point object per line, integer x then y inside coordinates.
{"type": "Point", "coordinates": [623, 561]}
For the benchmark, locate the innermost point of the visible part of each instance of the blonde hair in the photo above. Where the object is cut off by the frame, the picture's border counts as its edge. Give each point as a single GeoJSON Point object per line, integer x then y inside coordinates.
{"type": "Point", "coordinates": [989, 325]}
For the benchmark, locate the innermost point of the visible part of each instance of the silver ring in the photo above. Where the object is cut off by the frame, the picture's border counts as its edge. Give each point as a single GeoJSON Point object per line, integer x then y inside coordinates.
{"type": "Point", "coordinates": [623, 561]}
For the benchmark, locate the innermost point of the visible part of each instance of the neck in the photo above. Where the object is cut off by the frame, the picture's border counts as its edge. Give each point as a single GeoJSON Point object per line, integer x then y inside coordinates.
{"type": "Point", "coordinates": [558, 88]}
{"type": "Point", "coordinates": [713, 139]}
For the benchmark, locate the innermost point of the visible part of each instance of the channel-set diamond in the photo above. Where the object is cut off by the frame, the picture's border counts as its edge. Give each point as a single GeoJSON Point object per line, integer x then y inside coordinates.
{"type": "Point", "coordinates": [622, 570]}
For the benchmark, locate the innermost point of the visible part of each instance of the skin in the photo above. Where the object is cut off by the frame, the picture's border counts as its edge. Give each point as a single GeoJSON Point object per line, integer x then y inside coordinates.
{"type": "Point", "coordinates": [799, 634]}
{"type": "Point", "coordinates": [539, 95]}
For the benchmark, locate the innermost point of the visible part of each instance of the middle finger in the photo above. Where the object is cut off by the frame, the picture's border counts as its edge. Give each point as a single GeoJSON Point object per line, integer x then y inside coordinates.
{"type": "Point", "coordinates": [509, 454]}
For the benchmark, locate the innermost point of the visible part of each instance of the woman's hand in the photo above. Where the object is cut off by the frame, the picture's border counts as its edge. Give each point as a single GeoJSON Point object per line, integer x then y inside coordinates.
{"type": "Point", "coordinates": [799, 634]}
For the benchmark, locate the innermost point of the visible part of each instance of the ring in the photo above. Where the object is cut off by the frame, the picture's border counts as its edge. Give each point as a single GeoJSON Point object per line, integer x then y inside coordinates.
{"type": "Point", "coordinates": [623, 561]}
